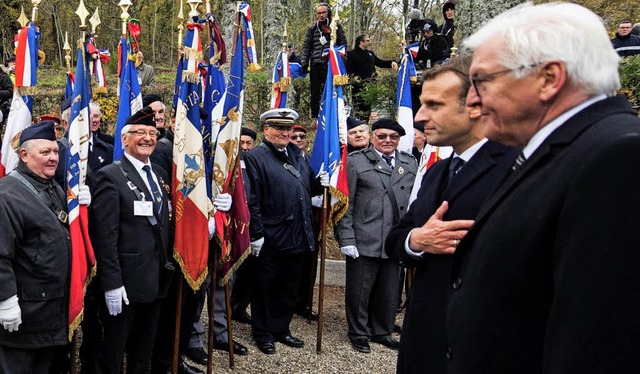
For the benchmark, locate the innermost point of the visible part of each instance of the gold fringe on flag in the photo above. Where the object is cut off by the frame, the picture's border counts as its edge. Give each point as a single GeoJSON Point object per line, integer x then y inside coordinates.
{"type": "Point", "coordinates": [285, 83]}
{"type": "Point", "coordinates": [254, 66]}
{"type": "Point", "coordinates": [28, 90]}
{"type": "Point", "coordinates": [190, 77]}
{"type": "Point", "coordinates": [340, 80]}
{"type": "Point", "coordinates": [192, 54]}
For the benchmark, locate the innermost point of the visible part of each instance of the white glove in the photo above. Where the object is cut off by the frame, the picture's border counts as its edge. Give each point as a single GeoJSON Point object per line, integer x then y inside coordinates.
{"type": "Point", "coordinates": [84, 196]}
{"type": "Point", "coordinates": [317, 201]}
{"type": "Point", "coordinates": [222, 202]}
{"type": "Point", "coordinates": [114, 298]}
{"type": "Point", "coordinates": [324, 178]}
{"type": "Point", "coordinates": [212, 227]}
{"type": "Point", "coordinates": [10, 314]}
{"type": "Point", "coordinates": [256, 246]}
{"type": "Point", "coordinates": [350, 250]}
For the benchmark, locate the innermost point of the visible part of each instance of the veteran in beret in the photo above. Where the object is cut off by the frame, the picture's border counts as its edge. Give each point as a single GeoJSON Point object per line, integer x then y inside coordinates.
{"type": "Point", "coordinates": [130, 233]}
{"type": "Point", "coordinates": [34, 255]}
{"type": "Point", "coordinates": [282, 184]}
{"type": "Point", "coordinates": [380, 180]}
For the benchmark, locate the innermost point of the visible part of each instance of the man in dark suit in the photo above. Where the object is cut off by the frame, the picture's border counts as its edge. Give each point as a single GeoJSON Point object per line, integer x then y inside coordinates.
{"type": "Point", "coordinates": [380, 180]}
{"type": "Point", "coordinates": [450, 197]}
{"type": "Point", "coordinates": [130, 233]}
{"type": "Point", "coordinates": [547, 280]}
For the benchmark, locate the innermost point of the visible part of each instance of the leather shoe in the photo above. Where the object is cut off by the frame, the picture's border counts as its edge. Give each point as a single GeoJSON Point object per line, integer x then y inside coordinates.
{"type": "Point", "coordinates": [387, 341]}
{"type": "Point", "coordinates": [361, 345]}
{"type": "Point", "coordinates": [241, 316]}
{"type": "Point", "coordinates": [197, 355]}
{"type": "Point", "coordinates": [308, 314]}
{"type": "Point", "coordinates": [238, 348]}
{"type": "Point", "coordinates": [267, 348]}
{"type": "Point", "coordinates": [291, 341]}
{"type": "Point", "coordinates": [184, 368]}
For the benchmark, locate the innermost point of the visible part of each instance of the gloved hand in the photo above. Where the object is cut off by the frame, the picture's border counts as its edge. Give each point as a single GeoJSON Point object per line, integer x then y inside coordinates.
{"type": "Point", "coordinates": [114, 298]}
{"type": "Point", "coordinates": [256, 246]}
{"type": "Point", "coordinates": [10, 314]}
{"type": "Point", "coordinates": [316, 201]}
{"type": "Point", "coordinates": [84, 196]}
{"type": "Point", "coordinates": [350, 250]}
{"type": "Point", "coordinates": [222, 202]}
{"type": "Point", "coordinates": [212, 227]}
{"type": "Point", "coordinates": [324, 178]}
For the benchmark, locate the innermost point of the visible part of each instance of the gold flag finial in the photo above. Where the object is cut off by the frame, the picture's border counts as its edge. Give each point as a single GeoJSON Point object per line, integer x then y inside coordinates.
{"type": "Point", "coordinates": [193, 4]}
{"type": "Point", "coordinates": [67, 51]}
{"type": "Point", "coordinates": [34, 12]}
{"type": "Point", "coordinates": [180, 25]}
{"type": "Point", "coordinates": [208, 6]}
{"type": "Point", "coordinates": [124, 16]}
{"type": "Point", "coordinates": [95, 21]}
{"type": "Point", "coordinates": [23, 20]}
{"type": "Point", "coordinates": [82, 13]}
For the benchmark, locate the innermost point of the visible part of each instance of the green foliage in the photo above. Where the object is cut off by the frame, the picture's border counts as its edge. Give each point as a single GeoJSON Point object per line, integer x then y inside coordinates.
{"type": "Point", "coordinates": [630, 79]}
{"type": "Point", "coordinates": [380, 95]}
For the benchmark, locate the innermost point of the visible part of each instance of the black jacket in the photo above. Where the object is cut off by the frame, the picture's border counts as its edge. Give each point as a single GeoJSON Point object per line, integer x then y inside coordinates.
{"type": "Point", "coordinates": [312, 48]}
{"type": "Point", "coordinates": [279, 202]}
{"type": "Point", "coordinates": [362, 63]}
{"type": "Point", "coordinates": [163, 154]}
{"type": "Point", "coordinates": [626, 45]}
{"type": "Point", "coordinates": [434, 49]}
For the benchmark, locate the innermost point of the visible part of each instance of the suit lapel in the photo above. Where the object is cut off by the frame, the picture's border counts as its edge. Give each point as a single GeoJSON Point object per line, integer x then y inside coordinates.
{"type": "Point", "coordinates": [479, 164]}
{"type": "Point", "coordinates": [135, 178]}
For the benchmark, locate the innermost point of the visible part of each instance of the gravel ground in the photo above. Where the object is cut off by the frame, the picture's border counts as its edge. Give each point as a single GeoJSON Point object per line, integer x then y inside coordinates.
{"type": "Point", "coordinates": [337, 355]}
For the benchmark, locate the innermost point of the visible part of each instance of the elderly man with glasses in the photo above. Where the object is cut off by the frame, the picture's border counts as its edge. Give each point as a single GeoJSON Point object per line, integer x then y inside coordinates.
{"type": "Point", "coordinates": [547, 280]}
{"type": "Point", "coordinates": [380, 180]}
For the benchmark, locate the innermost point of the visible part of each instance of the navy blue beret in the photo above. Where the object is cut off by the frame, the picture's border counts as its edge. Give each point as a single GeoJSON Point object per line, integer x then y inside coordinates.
{"type": "Point", "coordinates": [144, 116]}
{"type": "Point", "coordinates": [41, 130]}
{"type": "Point", "coordinates": [388, 123]}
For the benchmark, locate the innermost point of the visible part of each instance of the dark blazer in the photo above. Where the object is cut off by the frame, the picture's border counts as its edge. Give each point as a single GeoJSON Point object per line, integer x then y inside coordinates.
{"type": "Point", "coordinates": [101, 155]}
{"type": "Point", "coordinates": [422, 347]}
{"type": "Point", "coordinates": [126, 246]}
{"type": "Point", "coordinates": [362, 63]}
{"type": "Point", "coordinates": [547, 279]}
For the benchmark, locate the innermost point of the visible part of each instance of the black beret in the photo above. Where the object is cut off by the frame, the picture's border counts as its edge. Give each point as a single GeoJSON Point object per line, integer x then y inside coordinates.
{"type": "Point", "coordinates": [11, 59]}
{"type": "Point", "coordinates": [419, 126]}
{"type": "Point", "coordinates": [353, 122]}
{"type": "Point", "coordinates": [41, 130]}
{"type": "Point", "coordinates": [248, 132]}
{"type": "Point", "coordinates": [150, 98]}
{"type": "Point", "coordinates": [144, 116]}
{"type": "Point", "coordinates": [388, 123]}
{"type": "Point", "coordinates": [66, 104]}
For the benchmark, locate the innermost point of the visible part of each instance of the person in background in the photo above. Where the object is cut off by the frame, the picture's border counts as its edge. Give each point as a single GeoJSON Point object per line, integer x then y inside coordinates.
{"type": "Point", "coordinates": [146, 74]}
{"type": "Point", "coordinates": [357, 134]}
{"type": "Point", "coordinates": [448, 27]}
{"type": "Point", "coordinates": [625, 43]}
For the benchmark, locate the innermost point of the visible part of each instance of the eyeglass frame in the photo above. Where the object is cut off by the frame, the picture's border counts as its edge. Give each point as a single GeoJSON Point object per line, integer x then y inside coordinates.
{"type": "Point", "coordinates": [488, 77]}
{"type": "Point", "coordinates": [142, 132]}
{"type": "Point", "coordinates": [394, 137]}
{"type": "Point", "coordinates": [301, 136]}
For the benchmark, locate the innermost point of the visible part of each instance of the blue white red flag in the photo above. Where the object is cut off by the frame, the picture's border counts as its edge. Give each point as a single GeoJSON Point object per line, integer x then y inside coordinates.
{"type": "Point", "coordinates": [429, 156]}
{"type": "Point", "coordinates": [330, 147]}
{"type": "Point", "coordinates": [20, 114]}
{"type": "Point", "coordinates": [192, 206]}
{"type": "Point", "coordinates": [83, 262]}
{"type": "Point", "coordinates": [250, 42]}
{"type": "Point", "coordinates": [404, 111]}
{"type": "Point", "coordinates": [413, 48]}
{"type": "Point", "coordinates": [281, 79]}
{"type": "Point", "coordinates": [231, 228]}
{"type": "Point", "coordinates": [68, 88]}
{"type": "Point", "coordinates": [130, 99]}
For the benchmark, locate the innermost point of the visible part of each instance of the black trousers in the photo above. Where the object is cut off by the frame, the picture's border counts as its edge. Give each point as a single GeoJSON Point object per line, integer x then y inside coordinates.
{"type": "Point", "coordinates": [25, 361]}
{"type": "Point", "coordinates": [275, 293]}
{"type": "Point", "coordinates": [133, 331]}
{"type": "Point", "coordinates": [245, 280]}
{"type": "Point", "coordinates": [317, 77]}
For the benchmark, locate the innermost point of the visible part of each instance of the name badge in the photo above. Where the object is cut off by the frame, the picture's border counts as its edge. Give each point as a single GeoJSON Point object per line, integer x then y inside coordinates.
{"type": "Point", "coordinates": [323, 40]}
{"type": "Point", "coordinates": [143, 208]}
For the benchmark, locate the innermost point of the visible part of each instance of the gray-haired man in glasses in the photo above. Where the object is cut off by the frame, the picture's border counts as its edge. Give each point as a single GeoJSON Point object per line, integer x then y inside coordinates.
{"type": "Point", "coordinates": [380, 180]}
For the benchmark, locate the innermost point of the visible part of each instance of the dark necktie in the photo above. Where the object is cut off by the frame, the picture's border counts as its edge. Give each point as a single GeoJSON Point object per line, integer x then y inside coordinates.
{"type": "Point", "coordinates": [456, 164]}
{"type": "Point", "coordinates": [388, 159]}
{"type": "Point", "coordinates": [157, 196]}
{"type": "Point", "coordinates": [519, 161]}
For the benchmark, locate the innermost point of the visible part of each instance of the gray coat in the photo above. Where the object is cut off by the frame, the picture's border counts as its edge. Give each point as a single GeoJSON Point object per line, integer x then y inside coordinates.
{"type": "Point", "coordinates": [370, 216]}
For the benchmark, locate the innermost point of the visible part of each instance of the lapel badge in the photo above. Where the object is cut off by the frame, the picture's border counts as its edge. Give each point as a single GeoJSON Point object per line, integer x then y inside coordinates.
{"type": "Point", "coordinates": [100, 159]}
{"type": "Point", "coordinates": [400, 170]}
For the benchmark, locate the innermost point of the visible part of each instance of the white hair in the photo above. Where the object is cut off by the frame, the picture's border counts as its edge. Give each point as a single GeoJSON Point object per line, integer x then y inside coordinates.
{"type": "Point", "coordinates": [532, 34]}
{"type": "Point", "coordinates": [66, 115]}
{"type": "Point", "coordinates": [125, 129]}
{"type": "Point", "coordinates": [94, 107]}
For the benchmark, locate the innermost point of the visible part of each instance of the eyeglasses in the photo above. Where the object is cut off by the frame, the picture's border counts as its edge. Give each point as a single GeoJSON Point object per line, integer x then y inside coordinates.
{"type": "Point", "coordinates": [385, 136]}
{"type": "Point", "coordinates": [477, 80]}
{"type": "Point", "coordinates": [301, 136]}
{"type": "Point", "coordinates": [151, 133]}
{"type": "Point", "coordinates": [280, 128]}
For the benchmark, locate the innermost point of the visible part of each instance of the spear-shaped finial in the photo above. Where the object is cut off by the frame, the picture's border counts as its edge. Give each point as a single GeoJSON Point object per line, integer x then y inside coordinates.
{"type": "Point", "coordinates": [208, 6]}
{"type": "Point", "coordinates": [334, 29]}
{"type": "Point", "coordinates": [124, 16]}
{"type": "Point", "coordinates": [95, 21]}
{"type": "Point", "coordinates": [23, 20]}
{"type": "Point", "coordinates": [82, 13]}
{"type": "Point", "coordinates": [180, 25]}
{"type": "Point", "coordinates": [67, 50]}
{"type": "Point", "coordinates": [193, 4]}
{"type": "Point", "coordinates": [284, 37]}
{"type": "Point", "coordinates": [34, 13]}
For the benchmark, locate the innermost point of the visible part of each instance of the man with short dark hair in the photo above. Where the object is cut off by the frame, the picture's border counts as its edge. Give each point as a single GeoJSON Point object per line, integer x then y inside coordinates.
{"type": "Point", "coordinates": [546, 280]}
{"type": "Point", "coordinates": [625, 43]}
{"type": "Point", "coordinates": [380, 180]}
{"type": "Point", "coordinates": [282, 184]}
